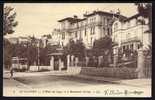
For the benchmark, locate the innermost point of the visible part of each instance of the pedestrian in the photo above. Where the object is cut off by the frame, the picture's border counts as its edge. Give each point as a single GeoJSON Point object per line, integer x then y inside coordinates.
{"type": "Point", "coordinates": [11, 72]}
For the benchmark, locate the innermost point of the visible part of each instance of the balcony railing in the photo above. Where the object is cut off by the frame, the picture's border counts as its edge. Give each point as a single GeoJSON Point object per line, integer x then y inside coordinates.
{"type": "Point", "coordinates": [131, 39]}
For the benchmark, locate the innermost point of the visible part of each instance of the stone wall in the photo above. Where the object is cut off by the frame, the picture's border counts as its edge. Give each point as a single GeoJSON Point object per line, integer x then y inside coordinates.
{"type": "Point", "coordinates": [124, 73]}
{"type": "Point", "coordinates": [35, 68]}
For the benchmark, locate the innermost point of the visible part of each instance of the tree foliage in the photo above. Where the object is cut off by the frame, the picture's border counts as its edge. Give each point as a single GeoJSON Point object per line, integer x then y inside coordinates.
{"type": "Point", "coordinates": [9, 20]}
{"type": "Point", "coordinates": [103, 46]}
{"type": "Point", "coordinates": [145, 9]}
{"type": "Point", "coordinates": [75, 48]}
{"type": "Point", "coordinates": [7, 53]}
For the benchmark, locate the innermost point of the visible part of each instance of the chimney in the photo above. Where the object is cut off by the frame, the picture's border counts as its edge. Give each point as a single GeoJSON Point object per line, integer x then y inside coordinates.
{"type": "Point", "coordinates": [75, 16]}
{"type": "Point", "coordinates": [118, 12]}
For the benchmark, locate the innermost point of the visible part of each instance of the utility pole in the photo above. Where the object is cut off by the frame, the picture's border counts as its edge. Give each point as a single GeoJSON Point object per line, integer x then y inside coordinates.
{"type": "Point", "coordinates": [38, 55]}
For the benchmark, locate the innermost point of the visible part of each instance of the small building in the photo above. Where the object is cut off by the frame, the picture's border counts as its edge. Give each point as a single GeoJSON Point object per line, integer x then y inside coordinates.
{"type": "Point", "coordinates": [57, 60]}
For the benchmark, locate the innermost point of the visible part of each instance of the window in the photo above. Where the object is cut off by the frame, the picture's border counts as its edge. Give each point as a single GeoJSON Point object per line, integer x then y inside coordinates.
{"type": "Point", "coordinates": [93, 30]}
{"type": "Point", "coordinates": [123, 48]}
{"type": "Point", "coordinates": [128, 36]}
{"type": "Point", "coordinates": [103, 30]}
{"type": "Point", "coordinates": [105, 20]}
{"type": "Point", "coordinates": [108, 31]}
{"type": "Point", "coordinates": [128, 24]}
{"type": "Point", "coordinates": [131, 46]}
{"type": "Point", "coordinates": [80, 34]}
{"type": "Point", "coordinates": [91, 41]}
{"type": "Point", "coordinates": [76, 34]}
{"type": "Point", "coordinates": [94, 19]}
{"type": "Point", "coordinates": [85, 32]}
{"type": "Point", "coordinates": [81, 23]}
{"type": "Point", "coordinates": [63, 35]}
{"type": "Point", "coordinates": [138, 46]}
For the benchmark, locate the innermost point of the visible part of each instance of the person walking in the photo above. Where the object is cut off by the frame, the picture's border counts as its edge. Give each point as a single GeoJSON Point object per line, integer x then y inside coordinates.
{"type": "Point", "coordinates": [11, 72]}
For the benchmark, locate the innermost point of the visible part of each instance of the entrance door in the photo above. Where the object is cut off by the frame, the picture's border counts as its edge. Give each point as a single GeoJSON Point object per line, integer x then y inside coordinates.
{"type": "Point", "coordinates": [56, 64]}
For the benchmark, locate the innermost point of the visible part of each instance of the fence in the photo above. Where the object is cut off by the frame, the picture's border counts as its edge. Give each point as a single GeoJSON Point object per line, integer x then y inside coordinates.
{"type": "Point", "coordinates": [148, 67]}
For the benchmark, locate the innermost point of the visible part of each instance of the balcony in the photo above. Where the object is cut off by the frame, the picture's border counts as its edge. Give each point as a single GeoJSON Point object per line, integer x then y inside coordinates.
{"type": "Point", "coordinates": [131, 39]}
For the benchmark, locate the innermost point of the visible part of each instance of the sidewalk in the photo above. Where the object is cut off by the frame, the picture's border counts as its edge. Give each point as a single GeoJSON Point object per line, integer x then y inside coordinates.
{"type": "Point", "coordinates": [131, 82]}
{"type": "Point", "coordinates": [13, 83]}
{"type": "Point", "coordinates": [29, 74]}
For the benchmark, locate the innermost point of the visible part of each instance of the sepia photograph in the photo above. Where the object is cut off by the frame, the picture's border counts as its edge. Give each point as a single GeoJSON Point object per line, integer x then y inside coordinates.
{"type": "Point", "coordinates": [77, 50]}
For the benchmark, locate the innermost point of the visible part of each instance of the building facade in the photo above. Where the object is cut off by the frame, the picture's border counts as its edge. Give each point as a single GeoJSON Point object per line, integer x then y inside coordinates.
{"type": "Point", "coordinates": [131, 34]}
{"type": "Point", "coordinates": [88, 29]}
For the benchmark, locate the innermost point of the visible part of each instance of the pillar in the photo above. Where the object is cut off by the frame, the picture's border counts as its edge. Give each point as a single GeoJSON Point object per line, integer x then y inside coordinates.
{"type": "Point", "coordinates": [76, 61]}
{"type": "Point", "coordinates": [68, 60]}
{"type": "Point", "coordinates": [141, 63]}
{"type": "Point", "coordinates": [60, 65]}
{"type": "Point", "coordinates": [72, 60]}
{"type": "Point", "coordinates": [87, 60]}
{"type": "Point", "coordinates": [52, 62]}
{"type": "Point", "coordinates": [115, 57]}
{"type": "Point", "coordinates": [100, 59]}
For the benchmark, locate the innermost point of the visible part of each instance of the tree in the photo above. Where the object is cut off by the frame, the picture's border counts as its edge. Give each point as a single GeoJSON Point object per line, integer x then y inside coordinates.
{"type": "Point", "coordinates": [70, 47]}
{"type": "Point", "coordinates": [75, 48]}
{"type": "Point", "coordinates": [7, 54]}
{"type": "Point", "coordinates": [9, 20]}
{"type": "Point", "coordinates": [79, 49]}
{"type": "Point", "coordinates": [145, 10]}
{"type": "Point", "coordinates": [32, 51]}
{"type": "Point", "coordinates": [103, 47]}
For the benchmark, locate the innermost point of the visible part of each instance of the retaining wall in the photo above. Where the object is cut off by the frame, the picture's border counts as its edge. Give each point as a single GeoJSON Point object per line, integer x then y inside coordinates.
{"type": "Point", "coordinates": [124, 72]}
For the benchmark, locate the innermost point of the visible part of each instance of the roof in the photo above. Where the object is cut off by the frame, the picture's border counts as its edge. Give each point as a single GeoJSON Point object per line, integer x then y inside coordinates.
{"type": "Point", "coordinates": [103, 13]}
{"type": "Point", "coordinates": [73, 20]}
{"type": "Point", "coordinates": [132, 17]}
{"type": "Point", "coordinates": [70, 19]}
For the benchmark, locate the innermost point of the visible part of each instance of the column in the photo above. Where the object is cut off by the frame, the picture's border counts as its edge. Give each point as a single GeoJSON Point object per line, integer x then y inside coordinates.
{"type": "Point", "coordinates": [68, 60]}
{"type": "Point", "coordinates": [141, 63]}
{"type": "Point", "coordinates": [60, 64]}
{"type": "Point", "coordinates": [72, 60]}
{"type": "Point", "coordinates": [87, 60]}
{"type": "Point", "coordinates": [115, 56]}
{"type": "Point", "coordinates": [76, 61]}
{"type": "Point", "coordinates": [100, 59]}
{"type": "Point", "coordinates": [52, 62]}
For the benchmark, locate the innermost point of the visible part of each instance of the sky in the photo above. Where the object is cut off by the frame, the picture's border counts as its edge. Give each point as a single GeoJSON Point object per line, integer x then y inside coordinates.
{"type": "Point", "coordinates": [41, 18]}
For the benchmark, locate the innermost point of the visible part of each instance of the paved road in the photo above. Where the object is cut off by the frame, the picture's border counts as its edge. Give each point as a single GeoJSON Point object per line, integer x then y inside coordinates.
{"type": "Point", "coordinates": [67, 82]}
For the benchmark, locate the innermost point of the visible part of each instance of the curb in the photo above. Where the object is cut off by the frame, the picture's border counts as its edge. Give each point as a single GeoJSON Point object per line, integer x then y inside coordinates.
{"type": "Point", "coordinates": [96, 80]}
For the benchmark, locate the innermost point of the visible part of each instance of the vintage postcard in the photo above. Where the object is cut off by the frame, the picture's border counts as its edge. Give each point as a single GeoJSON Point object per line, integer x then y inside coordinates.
{"type": "Point", "coordinates": [77, 49]}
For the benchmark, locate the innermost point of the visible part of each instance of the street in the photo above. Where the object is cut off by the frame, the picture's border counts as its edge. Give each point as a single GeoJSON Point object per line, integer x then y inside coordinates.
{"type": "Point", "coordinates": [69, 82]}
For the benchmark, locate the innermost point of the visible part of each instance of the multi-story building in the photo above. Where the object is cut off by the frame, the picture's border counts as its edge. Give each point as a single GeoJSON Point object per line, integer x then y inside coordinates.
{"type": "Point", "coordinates": [13, 40]}
{"type": "Point", "coordinates": [52, 39]}
{"type": "Point", "coordinates": [131, 33]}
{"type": "Point", "coordinates": [23, 40]}
{"type": "Point", "coordinates": [88, 29]}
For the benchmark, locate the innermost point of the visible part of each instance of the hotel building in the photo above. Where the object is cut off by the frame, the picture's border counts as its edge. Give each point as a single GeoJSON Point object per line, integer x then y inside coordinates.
{"type": "Point", "coordinates": [88, 29]}
{"type": "Point", "coordinates": [131, 33]}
